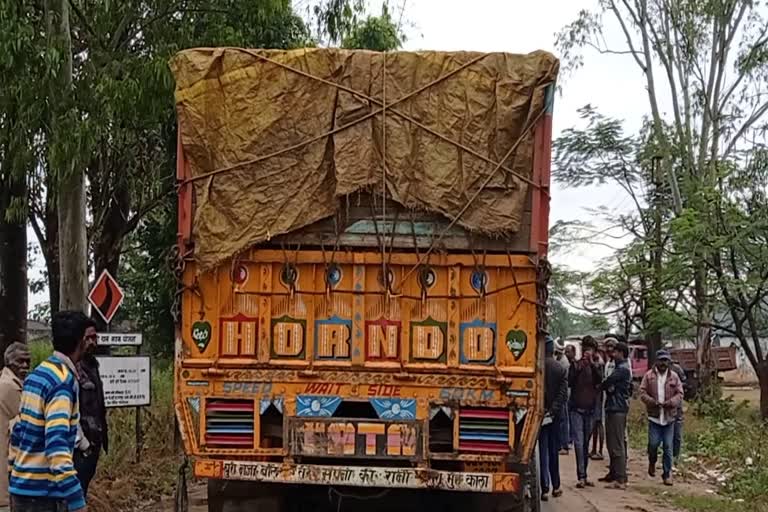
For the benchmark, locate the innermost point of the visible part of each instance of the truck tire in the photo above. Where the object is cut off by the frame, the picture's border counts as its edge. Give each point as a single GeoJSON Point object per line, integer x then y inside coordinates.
{"type": "Point", "coordinates": [532, 495]}
{"type": "Point", "coordinates": [228, 496]}
{"type": "Point", "coordinates": [215, 496]}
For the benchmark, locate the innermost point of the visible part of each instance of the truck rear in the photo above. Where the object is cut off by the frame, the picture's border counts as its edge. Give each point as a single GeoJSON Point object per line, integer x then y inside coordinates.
{"type": "Point", "coordinates": [362, 275]}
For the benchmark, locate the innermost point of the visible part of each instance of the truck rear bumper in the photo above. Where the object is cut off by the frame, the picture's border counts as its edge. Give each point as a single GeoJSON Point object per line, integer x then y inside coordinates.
{"type": "Point", "coordinates": [356, 476]}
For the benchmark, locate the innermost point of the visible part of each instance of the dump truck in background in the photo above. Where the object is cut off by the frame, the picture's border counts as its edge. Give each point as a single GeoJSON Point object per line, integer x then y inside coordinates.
{"type": "Point", "coordinates": [363, 276]}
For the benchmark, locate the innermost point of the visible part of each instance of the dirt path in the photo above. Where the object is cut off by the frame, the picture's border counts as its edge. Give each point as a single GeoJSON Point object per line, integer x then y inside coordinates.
{"type": "Point", "coordinates": [601, 499]}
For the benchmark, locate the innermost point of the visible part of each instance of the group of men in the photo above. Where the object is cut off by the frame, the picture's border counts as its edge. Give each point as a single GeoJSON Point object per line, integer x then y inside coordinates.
{"type": "Point", "coordinates": [590, 396]}
{"type": "Point", "coordinates": [53, 422]}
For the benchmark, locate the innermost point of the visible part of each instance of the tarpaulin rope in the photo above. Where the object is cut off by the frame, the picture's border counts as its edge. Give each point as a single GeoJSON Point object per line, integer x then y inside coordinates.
{"type": "Point", "coordinates": [384, 273]}
{"type": "Point", "coordinates": [318, 293]}
{"type": "Point", "coordinates": [370, 115]}
{"type": "Point", "coordinates": [474, 196]}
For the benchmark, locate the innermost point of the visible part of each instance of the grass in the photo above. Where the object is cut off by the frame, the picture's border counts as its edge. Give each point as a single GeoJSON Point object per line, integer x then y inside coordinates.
{"type": "Point", "coordinates": [694, 503]}
{"type": "Point", "coordinates": [122, 483]}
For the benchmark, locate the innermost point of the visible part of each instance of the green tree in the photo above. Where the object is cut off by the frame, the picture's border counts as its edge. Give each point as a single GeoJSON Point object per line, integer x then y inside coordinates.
{"type": "Point", "coordinates": [21, 115]}
{"type": "Point", "coordinates": [144, 262]}
{"type": "Point", "coordinates": [708, 60]}
{"type": "Point", "coordinates": [565, 314]}
{"type": "Point", "coordinates": [65, 162]}
{"type": "Point", "coordinates": [735, 238]}
{"type": "Point", "coordinates": [379, 33]}
{"type": "Point", "coordinates": [645, 283]}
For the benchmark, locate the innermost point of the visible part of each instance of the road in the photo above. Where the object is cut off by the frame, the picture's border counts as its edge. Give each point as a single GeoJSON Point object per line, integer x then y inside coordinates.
{"type": "Point", "coordinates": [601, 499]}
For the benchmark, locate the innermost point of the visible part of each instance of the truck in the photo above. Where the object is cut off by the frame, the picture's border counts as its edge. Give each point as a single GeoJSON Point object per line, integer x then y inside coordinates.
{"type": "Point", "coordinates": [362, 242]}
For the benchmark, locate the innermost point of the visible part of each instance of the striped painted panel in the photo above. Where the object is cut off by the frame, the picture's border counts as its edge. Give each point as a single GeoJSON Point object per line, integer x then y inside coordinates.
{"type": "Point", "coordinates": [484, 430]}
{"type": "Point", "coordinates": [229, 423]}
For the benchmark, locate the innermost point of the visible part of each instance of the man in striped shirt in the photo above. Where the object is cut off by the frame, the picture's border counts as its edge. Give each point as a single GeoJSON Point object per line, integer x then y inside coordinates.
{"type": "Point", "coordinates": [43, 476]}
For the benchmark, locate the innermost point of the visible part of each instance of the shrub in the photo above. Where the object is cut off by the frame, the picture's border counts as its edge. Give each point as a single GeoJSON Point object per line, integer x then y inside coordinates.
{"type": "Point", "coordinates": [39, 350]}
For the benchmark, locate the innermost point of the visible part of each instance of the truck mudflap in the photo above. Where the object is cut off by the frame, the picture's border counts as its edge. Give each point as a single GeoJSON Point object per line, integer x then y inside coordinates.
{"type": "Point", "coordinates": [353, 476]}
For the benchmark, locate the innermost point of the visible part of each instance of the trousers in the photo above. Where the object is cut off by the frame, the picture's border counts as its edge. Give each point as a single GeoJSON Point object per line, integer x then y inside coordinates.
{"type": "Point", "coordinates": [582, 423]}
{"type": "Point", "coordinates": [677, 443]}
{"type": "Point", "coordinates": [86, 466]}
{"type": "Point", "coordinates": [615, 428]}
{"type": "Point", "coordinates": [549, 456]}
{"type": "Point", "coordinates": [661, 435]}
{"type": "Point", "coordinates": [28, 504]}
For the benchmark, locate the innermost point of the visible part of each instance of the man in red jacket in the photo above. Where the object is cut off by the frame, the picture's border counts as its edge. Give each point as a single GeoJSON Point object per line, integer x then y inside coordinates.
{"type": "Point", "coordinates": [662, 393]}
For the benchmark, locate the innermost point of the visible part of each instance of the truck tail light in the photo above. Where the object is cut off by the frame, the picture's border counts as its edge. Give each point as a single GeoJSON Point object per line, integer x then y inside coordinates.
{"type": "Point", "coordinates": [484, 430]}
{"type": "Point", "coordinates": [229, 423]}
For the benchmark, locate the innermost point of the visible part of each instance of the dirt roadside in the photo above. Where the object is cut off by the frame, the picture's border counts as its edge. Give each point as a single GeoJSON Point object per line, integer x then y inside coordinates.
{"type": "Point", "coordinates": [601, 499]}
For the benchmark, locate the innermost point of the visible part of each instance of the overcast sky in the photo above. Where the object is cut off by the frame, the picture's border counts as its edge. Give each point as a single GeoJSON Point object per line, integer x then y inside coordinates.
{"type": "Point", "coordinates": [613, 84]}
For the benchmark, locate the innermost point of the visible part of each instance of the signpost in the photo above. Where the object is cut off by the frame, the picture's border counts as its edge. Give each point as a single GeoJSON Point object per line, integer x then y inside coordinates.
{"type": "Point", "coordinates": [117, 339]}
{"type": "Point", "coordinates": [106, 296]}
{"type": "Point", "coordinates": [127, 379]}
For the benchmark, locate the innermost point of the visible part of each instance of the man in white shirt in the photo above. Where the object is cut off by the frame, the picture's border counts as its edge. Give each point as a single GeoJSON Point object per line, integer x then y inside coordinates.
{"type": "Point", "coordinates": [662, 393]}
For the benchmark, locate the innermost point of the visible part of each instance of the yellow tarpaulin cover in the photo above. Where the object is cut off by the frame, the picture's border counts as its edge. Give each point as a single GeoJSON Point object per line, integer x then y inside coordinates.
{"type": "Point", "coordinates": [273, 144]}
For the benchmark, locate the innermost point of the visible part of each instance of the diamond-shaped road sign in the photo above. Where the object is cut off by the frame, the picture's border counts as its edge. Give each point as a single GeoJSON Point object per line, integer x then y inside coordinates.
{"type": "Point", "coordinates": [106, 296]}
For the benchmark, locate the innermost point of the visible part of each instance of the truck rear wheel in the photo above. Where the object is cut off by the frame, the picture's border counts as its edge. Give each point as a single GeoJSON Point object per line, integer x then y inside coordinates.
{"type": "Point", "coordinates": [228, 496]}
{"type": "Point", "coordinates": [532, 493]}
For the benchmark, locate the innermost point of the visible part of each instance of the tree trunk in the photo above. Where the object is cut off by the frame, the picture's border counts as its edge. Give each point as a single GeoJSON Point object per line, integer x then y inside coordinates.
{"type": "Point", "coordinates": [73, 245]}
{"type": "Point", "coordinates": [73, 242]}
{"type": "Point", "coordinates": [762, 377]}
{"type": "Point", "coordinates": [51, 245]}
{"type": "Point", "coordinates": [707, 375]}
{"type": "Point", "coordinates": [108, 237]}
{"type": "Point", "coordinates": [13, 270]}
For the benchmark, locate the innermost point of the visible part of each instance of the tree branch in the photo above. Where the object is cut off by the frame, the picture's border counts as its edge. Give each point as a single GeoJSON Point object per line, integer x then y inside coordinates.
{"type": "Point", "coordinates": [756, 115]}
{"type": "Point", "coordinates": [134, 220]}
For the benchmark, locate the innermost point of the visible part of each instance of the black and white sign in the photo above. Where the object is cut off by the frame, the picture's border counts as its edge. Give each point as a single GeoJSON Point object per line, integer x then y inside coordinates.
{"type": "Point", "coordinates": [126, 380]}
{"type": "Point", "coordinates": [117, 339]}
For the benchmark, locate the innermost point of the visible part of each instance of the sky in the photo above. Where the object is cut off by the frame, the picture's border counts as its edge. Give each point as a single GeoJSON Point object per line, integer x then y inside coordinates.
{"type": "Point", "coordinates": [613, 84]}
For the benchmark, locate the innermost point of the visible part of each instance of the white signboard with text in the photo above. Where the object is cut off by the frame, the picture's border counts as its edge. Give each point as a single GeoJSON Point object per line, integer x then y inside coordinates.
{"type": "Point", "coordinates": [126, 380]}
{"type": "Point", "coordinates": [117, 339]}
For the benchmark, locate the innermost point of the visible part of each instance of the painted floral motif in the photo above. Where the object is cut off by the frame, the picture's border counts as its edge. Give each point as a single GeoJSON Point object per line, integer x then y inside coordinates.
{"type": "Point", "coordinates": [394, 408]}
{"type": "Point", "coordinates": [308, 405]}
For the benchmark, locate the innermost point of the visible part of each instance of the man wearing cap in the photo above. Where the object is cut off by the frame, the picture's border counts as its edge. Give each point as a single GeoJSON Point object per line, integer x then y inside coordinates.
{"type": "Point", "coordinates": [662, 393]}
{"type": "Point", "coordinates": [555, 396]}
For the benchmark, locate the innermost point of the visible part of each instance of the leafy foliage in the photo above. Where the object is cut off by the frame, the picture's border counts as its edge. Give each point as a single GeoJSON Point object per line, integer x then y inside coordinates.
{"type": "Point", "coordinates": [144, 265]}
{"type": "Point", "coordinates": [694, 172]}
{"type": "Point", "coordinates": [118, 124]}
{"type": "Point", "coordinates": [378, 33]}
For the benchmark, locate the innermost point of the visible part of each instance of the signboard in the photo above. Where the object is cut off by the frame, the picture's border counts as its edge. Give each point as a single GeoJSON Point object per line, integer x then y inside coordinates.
{"type": "Point", "coordinates": [126, 380]}
{"type": "Point", "coordinates": [337, 437]}
{"type": "Point", "coordinates": [369, 476]}
{"type": "Point", "coordinates": [106, 296]}
{"type": "Point", "coordinates": [117, 339]}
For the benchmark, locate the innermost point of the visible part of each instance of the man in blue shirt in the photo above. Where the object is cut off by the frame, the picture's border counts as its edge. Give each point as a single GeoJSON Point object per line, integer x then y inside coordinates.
{"type": "Point", "coordinates": [43, 476]}
{"type": "Point", "coordinates": [618, 389]}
